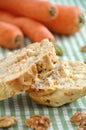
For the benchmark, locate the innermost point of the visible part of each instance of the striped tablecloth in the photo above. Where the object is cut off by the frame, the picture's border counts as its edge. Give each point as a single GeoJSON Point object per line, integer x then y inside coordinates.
{"type": "Point", "coordinates": [23, 107]}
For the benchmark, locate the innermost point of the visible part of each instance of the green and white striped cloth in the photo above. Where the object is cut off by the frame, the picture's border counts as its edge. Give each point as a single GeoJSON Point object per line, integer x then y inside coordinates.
{"type": "Point", "coordinates": [23, 107]}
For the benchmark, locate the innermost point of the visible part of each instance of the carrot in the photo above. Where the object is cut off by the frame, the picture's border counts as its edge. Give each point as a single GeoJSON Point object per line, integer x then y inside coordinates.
{"type": "Point", "coordinates": [32, 29]}
{"type": "Point", "coordinates": [69, 20]}
{"type": "Point", "coordinates": [11, 36]}
{"type": "Point", "coordinates": [36, 9]}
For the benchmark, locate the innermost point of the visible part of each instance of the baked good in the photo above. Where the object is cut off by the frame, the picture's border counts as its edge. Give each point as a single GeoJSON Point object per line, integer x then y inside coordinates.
{"type": "Point", "coordinates": [20, 69]}
{"type": "Point", "coordinates": [37, 70]}
{"type": "Point", "coordinates": [64, 84]}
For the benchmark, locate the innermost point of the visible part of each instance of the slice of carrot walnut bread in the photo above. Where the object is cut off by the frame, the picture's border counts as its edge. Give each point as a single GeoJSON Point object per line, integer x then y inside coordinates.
{"type": "Point", "coordinates": [64, 84]}
{"type": "Point", "coordinates": [37, 70]}
{"type": "Point", "coordinates": [20, 69]}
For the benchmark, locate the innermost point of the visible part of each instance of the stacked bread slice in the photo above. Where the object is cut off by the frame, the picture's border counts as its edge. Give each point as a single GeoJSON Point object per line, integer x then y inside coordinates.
{"type": "Point", "coordinates": [19, 70]}
{"type": "Point", "coordinates": [37, 70]}
{"type": "Point", "coordinates": [64, 84]}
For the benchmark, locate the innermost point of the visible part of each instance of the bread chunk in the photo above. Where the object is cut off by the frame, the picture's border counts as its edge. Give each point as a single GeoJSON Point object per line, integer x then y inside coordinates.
{"type": "Point", "coordinates": [19, 70]}
{"type": "Point", "coordinates": [64, 84]}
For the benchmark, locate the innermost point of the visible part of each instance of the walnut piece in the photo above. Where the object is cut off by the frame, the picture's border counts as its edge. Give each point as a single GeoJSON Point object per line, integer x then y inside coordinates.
{"type": "Point", "coordinates": [82, 128]}
{"type": "Point", "coordinates": [7, 121]}
{"type": "Point", "coordinates": [79, 118]}
{"type": "Point", "coordinates": [38, 122]}
{"type": "Point", "coordinates": [83, 49]}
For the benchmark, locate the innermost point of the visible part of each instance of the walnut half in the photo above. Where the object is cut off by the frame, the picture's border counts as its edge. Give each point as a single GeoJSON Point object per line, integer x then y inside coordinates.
{"type": "Point", "coordinates": [79, 118]}
{"type": "Point", "coordinates": [82, 128]}
{"type": "Point", "coordinates": [83, 49]}
{"type": "Point", "coordinates": [38, 122]}
{"type": "Point", "coordinates": [7, 121]}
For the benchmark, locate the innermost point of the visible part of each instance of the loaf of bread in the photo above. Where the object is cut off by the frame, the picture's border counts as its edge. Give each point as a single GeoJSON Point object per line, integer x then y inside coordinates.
{"type": "Point", "coordinates": [19, 70]}
{"type": "Point", "coordinates": [64, 84]}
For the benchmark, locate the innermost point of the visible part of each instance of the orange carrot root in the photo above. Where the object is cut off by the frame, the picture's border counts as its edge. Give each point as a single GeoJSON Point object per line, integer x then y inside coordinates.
{"type": "Point", "coordinates": [36, 9]}
{"type": "Point", "coordinates": [69, 20]}
{"type": "Point", "coordinates": [32, 29]}
{"type": "Point", "coordinates": [11, 36]}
